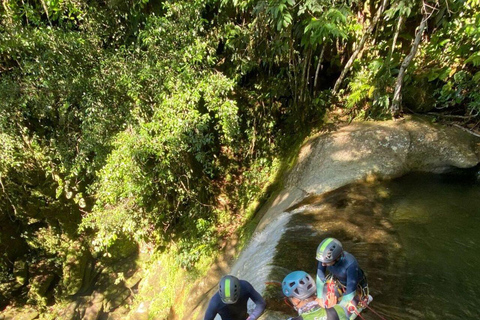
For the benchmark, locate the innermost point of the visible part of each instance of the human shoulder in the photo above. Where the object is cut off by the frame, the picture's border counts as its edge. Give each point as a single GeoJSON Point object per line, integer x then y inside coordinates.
{"type": "Point", "coordinates": [350, 258]}
{"type": "Point", "coordinates": [214, 306]}
{"type": "Point", "coordinates": [244, 284]}
{"type": "Point", "coordinates": [216, 300]}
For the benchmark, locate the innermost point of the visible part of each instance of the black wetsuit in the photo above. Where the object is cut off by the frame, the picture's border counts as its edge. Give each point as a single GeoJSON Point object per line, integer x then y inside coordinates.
{"type": "Point", "coordinates": [238, 310]}
{"type": "Point", "coordinates": [347, 271]}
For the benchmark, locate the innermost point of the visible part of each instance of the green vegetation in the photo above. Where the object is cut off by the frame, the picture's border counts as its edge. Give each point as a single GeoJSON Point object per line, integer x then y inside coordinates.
{"type": "Point", "coordinates": [164, 121]}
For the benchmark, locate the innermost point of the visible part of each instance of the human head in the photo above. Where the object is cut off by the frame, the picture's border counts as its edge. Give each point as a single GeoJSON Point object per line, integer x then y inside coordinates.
{"type": "Point", "coordinates": [329, 251]}
{"type": "Point", "coordinates": [229, 289]}
{"type": "Point", "coordinates": [298, 284]}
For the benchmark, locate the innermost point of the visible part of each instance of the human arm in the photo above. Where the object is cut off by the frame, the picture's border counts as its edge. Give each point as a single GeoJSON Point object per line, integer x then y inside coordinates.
{"type": "Point", "coordinates": [211, 310]}
{"type": "Point", "coordinates": [259, 303]}
{"type": "Point", "coordinates": [352, 283]}
{"type": "Point", "coordinates": [320, 279]}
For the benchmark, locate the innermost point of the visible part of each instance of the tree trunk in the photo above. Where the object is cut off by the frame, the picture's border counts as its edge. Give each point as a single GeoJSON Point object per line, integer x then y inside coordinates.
{"type": "Point", "coordinates": [307, 79]}
{"type": "Point", "coordinates": [320, 59]}
{"type": "Point", "coordinates": [395, 36]}
{"type": "Point", "coordinates": [7, 11]}
{"type": "Point", "coordinates": [395, 108]}
{"type": "Point", "coordinates": [293, 74]}
{"type": "Point", "coordinates": [46, 11]}
{"type": "Point", "coordinates": [359, 48]}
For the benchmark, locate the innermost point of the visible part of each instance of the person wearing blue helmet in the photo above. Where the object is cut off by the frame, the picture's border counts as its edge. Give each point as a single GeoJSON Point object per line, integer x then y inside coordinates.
{"type": "Point", "coordinates": [343, 267]}
{"type": "Point", "coordinates": [299, 287]}
{"type": "Point", "coordinates": [230, 301]}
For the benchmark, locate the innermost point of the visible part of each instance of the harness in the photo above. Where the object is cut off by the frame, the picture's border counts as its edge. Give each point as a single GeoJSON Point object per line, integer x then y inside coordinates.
{"type": "Point", "coordinates": [335, 289]}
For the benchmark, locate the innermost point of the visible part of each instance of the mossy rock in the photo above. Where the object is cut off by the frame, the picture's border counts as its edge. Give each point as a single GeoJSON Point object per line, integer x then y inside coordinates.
{"type": "Point", "coordinates": [20, 271]}
{"type": "Point", "coordinates": [8, 290]}
{"type": "Point", "coordinates": [39, 287]}
{"type": "Point", "coordinates": [77, 269]}
{"type": "Point", "coordinates": [22, 314]}
{"type": "Point", "coordinates": [121, 313]}
{"type": "Point", "coordinates": [115, 297]}
{"type": "Point", "coordinates": [134, 280]}
{"type": "Point", "coordinates": [69, 313]}
{"type": "Point", "coordinates": [94, 308]}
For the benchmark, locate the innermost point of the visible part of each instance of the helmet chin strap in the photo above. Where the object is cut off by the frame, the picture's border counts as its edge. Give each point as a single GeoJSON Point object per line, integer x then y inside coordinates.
{"type": "Point", "coordinates": [295, 305]}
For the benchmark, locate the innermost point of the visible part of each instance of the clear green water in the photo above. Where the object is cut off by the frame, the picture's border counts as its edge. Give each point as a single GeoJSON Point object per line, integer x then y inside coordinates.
{"type": "Point", "coordinates": [437, 223]}
{"type": "Point", "coordinates": [416, 237]}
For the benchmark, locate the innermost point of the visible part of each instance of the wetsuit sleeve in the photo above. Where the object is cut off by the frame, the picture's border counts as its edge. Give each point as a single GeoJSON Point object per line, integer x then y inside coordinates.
{"type": "Point", "coordinates": [352, 279]}
{"type": "Point", "coordinates": [321, 271]}
{"type": "Point", "coordinates": [211, 310]}
{"type": "Point", "coordinates": [320, 279]}
{"type": "Point", "coordinates": [352, 282]}
{"type": "Point", "coordinates": [258, 300]}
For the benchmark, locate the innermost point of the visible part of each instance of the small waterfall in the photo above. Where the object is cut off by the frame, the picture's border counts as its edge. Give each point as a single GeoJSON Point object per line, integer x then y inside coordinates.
{"type": "Point", "coordinates": [254, 263]}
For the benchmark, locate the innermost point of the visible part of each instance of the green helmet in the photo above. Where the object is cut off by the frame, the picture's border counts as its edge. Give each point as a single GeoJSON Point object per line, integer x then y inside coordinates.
{"type": "Point", "coordinates": [329, 250]}
{"type": "Point", "coordinates": [229, 289]}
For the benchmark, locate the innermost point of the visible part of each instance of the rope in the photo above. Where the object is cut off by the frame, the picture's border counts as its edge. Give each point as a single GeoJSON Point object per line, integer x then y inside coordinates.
{"type": "Point", "coordinates": [358, 314]}
{"type": "Point", "coordinates": [370, 308]}
{"type": "Point", "coordinates": [288, 302]}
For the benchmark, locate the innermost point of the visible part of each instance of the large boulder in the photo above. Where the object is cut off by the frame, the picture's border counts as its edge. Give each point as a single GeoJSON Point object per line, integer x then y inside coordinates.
{"type": "Point", "coordinates": [366, 150]}
{"type": "Point", "coordinates": [386, 149]}
{"type": "Point", "coordinates": [94, 307]}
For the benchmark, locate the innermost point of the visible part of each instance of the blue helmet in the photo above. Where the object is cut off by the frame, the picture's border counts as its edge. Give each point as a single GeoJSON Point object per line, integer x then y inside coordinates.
{"type": "Point", "coordinates": [229, 289]}
{"type": "Point", "coordinates": [298, 284]}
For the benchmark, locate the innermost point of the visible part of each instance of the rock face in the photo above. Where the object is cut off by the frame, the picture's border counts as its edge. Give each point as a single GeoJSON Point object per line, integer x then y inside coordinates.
{"type": "Point", "coordinates": [374, 149]}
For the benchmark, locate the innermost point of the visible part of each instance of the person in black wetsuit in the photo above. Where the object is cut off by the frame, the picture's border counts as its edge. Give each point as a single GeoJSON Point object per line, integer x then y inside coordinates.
{"type": "Point", "coordinates": [343, 267]}
{"type": "Point", "coordinates": [230, 302]}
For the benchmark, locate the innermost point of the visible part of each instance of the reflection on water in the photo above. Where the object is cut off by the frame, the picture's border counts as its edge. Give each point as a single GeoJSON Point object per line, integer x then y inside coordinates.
{"type": "Point", "coordinates": [415, 237]}
{"type": "Point", "coordinates": [437, 220]}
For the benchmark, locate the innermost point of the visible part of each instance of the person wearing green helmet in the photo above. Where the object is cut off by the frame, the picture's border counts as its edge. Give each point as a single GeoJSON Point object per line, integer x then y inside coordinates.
{"type": "Point", "coordinates": [230, 301]}
{"type": "Point", "coordinates": [299, 287]}
{"type": "Point", "coordinates": [344, 268]}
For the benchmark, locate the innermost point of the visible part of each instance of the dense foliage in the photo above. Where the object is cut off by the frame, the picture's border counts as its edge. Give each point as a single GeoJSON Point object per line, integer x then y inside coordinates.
{"type": "Point", "coordinates": [159, 120]}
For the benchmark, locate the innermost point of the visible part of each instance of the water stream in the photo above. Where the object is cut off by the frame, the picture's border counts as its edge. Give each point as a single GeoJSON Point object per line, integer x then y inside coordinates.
{"type": "Point", "coordinates": [416, 237]}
